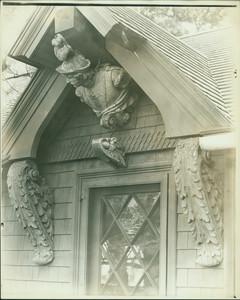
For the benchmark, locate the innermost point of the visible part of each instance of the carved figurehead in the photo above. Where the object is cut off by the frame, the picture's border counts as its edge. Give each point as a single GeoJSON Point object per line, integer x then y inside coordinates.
{"type": "Point", "coordinates": [107, 89]}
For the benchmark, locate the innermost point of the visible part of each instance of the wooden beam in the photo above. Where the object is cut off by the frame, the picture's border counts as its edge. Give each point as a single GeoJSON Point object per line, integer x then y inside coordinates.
{"type": "Point", "coordinates": [185, 110]}
{"type": "Point", "coordinates": [23, 132]}
{"type": "Point", "coordinates": [218, 141]}
{"type": "Point", "coordinates": [32, 35]}
{"type": "Point", "coordinates": [71, 24]}
{"type": "Point", "coordinates": [100, 18]}
{"type": "Point", "coordinates": [79, 33]}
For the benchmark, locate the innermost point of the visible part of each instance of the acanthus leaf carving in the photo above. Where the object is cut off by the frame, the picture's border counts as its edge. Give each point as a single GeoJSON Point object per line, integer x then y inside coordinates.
{"type": "Point", "coordinates": [33, 202]}
{"type": "Point", "coordinates": [107, 89]}
{"type": "Point", "coordinates": [200, 193]}
{"type": "Point", "coordinates": [109, 150]}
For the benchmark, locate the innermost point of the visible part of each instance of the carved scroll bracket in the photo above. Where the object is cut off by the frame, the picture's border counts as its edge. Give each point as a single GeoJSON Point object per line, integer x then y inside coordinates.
{"type": "Point", "coordinates": [33, 201]}
{"type": "Point", "coordinates": [200, 193]}
{"type": "Point", "coordinates": [110, 151]}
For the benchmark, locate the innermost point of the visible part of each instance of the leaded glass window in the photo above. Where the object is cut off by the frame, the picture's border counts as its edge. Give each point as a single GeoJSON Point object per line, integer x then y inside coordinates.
{"type": "Point", "coordinates": [128, 241]}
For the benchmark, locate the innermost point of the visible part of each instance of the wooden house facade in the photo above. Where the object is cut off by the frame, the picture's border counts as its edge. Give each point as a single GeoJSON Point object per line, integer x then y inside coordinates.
{"type": "Point", "coordinates": [119, 161]}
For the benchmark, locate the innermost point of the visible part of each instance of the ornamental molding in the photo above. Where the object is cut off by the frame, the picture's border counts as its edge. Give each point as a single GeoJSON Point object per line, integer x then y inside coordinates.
{"type": "Point", "coordinates": [110, 151]}
{"type": "Point", "coordinates": [108, 90]}
{"type": "Point", "coordinates": [200, 193]}
{"type": "Point", "coordinates": [33, 201]}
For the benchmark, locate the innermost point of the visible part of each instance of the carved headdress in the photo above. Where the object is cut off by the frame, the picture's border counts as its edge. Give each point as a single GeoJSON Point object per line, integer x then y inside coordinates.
{"type": "Point", "coordinates": [73, 61]}
{"type": "Point", "coordinates": [107, 89]}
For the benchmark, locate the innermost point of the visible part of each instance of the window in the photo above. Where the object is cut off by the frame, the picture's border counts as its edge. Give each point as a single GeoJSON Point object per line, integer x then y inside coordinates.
{"type": "Point", "coordinates": [125, 241]}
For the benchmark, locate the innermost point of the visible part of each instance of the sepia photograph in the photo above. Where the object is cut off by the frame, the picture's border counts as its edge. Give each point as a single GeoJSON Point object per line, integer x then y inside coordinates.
{"type": "Point", "coordinates": [120, 149]}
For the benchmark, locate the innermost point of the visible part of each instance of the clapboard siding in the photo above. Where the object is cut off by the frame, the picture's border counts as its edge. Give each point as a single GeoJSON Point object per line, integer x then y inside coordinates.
{"type": "Point", "coordinates": [10, 258]}
{"type": "Point", "coordinates": [51, 289]}
{"type": "Point", "coordinates": [63, 195]}
{"type": "Point", "coordinates": [60, 180]}
{"type": "Point", "coordinates": [12, 228]}
{"type": "Point", "coordinates": [62, 211]}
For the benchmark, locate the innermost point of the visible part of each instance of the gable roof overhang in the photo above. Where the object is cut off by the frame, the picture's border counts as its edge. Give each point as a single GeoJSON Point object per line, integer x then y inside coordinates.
{"type": "Point", "coordinates": [43, 96]}
{"type": "Point", "coordinates": [185, 109]}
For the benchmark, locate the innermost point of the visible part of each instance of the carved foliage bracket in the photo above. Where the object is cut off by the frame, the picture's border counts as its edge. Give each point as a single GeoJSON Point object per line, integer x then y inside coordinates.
{"type": "Point", "coordinates": [33, 200]}
{"type": "Point", "coordinates": [200, 192]}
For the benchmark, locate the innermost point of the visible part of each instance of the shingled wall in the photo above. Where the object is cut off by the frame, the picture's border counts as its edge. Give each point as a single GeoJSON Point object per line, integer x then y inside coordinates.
{"type": "Point", "coordinates": [59, 165]}
{"type": "Point", "coordinates": [20, 276]}
{"type": "Point", "coordinates": [60, 169]}
{"type": "Point", "coordinates": [144, 132]}
{"type": "Point", "coordinates": [192, 279]}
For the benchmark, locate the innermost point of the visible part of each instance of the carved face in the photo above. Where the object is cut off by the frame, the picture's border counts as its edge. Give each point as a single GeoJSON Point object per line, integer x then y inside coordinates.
{"type": "Point", "coordinates": [75, 79]}
{"type": "Point", "coordinates": [80, 79]}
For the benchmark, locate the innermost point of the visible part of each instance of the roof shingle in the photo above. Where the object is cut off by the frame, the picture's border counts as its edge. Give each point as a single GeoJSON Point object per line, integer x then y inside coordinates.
{"type": "Point", "coordinates": [193, 63]}
{"type": "Point", "coordinates": [217, 45]}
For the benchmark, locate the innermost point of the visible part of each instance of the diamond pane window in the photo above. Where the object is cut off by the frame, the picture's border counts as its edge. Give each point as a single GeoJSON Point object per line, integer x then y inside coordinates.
{"type": "Point", "coordinates": [131, 218]}
{"type": "Point", "coordinates": [114, 244]}
{"type": "Point", "coordinates": [145, 288]}
{"type": "Point", "coordinates": [148, 200]}
{"type": "Point", "coordinates": [116, 201]}
{"type": "Point", "coordinates": [129, 243]}
{"type": "Point", "coordinates": [147, 244]}
{"type": "Point", "coordinates": [126, 253]}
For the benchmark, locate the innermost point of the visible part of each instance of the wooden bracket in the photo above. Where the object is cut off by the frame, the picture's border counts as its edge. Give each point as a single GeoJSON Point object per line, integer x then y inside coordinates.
{"type": "Point", "coordinates": [33, 200]}
{"type": "Point", "coordinates": [200, 193]}
{"type": "Point", "coordinates": [80, 34]}
{"type": "Point", "coordinates": [70, 23]}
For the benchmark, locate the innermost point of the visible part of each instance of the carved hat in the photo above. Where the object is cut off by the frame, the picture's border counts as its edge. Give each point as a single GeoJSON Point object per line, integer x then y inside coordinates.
{"type": "Point", "coordinates": [76, 63]}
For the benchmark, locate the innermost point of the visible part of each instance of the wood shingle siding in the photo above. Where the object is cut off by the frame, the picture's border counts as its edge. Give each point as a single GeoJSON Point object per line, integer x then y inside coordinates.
{"type": "Point", "coordinates": [144, 132]}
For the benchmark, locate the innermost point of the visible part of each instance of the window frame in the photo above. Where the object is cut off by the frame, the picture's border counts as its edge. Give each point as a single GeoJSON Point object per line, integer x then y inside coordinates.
{"type": "Point", "coordinates": [96, 205]}
{"type": "Point", "coordinates": [137, 176]}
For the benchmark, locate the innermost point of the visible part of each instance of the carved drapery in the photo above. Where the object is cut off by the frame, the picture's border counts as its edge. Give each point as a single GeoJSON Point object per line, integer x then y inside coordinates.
{"type": "Point", "coordinates": [33, 201]}
{"type": "Point", "coordinates": [110, 151]}
{"type": "Point", "coordinates": [107, 89]}
{"type": "Point", "coordinates": [200, 193]}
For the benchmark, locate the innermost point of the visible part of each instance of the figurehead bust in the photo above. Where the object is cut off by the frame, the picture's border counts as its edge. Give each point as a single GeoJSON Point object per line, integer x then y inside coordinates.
{"type": "Point", "coordinates": [106, 89]}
